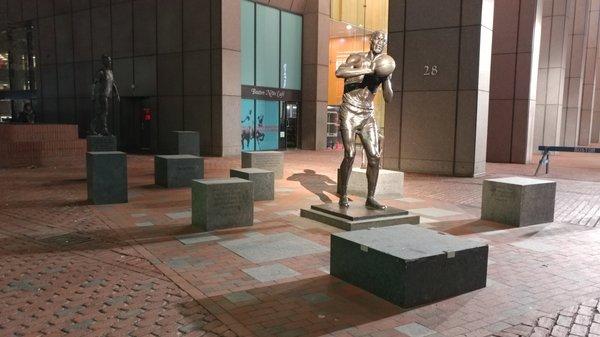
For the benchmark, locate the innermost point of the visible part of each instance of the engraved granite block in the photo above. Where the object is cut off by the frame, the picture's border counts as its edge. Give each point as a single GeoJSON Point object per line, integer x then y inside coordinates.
{"type": "Point", "coordinates": [106, 177]}
{"type": "Point", "coordinates": [518, 201]}
{"type": "Point", "coordinates": [264, 181]}
{"type": "Point", "coordinates": [409, 265]}
{"type": "Point", "coordinates": [101, 143]}
{"type": "Point", "coordinates": [389, 183]}
{"type": "Point", "coordinates": [177, 170]}
{"type": "Point", "coordinates": [184, 142]}
{"type": "Point", "coordinates": [222, 203]}
{"type": "Point", "coordinates": [266, 160]}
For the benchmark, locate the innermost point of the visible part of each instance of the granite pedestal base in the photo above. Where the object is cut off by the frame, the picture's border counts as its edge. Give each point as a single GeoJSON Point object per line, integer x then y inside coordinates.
{"type": "Point", "coordinates": [264, 181]}
{"type": "Point", "coordinates": [106, 177]}
{"type": "Point", "coordinates": [222, 203]}
{"type": "Point", "coordinates": [184, 142]}
{"type": "Point", "coordinates": [388, 183]}
{"type": "Point", "coordinates": [357, 216]}
{"type": "Point", "coordinates": [409, 265]}
{"type": "Point", "coordinates": [101, 143]}
{"type": "Point", "coordinates": [266, 160]}
{"type": "Point", "coordinates": [518, 201]}
{"type": "Point", "coordinates": [177, 170]}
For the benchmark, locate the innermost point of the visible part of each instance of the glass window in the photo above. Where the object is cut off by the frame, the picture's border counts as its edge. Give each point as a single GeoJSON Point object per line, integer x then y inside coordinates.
{"type": "Point", "coordinates": [247, 43]}
{"type": "Point", "coordinates": [267, 46]}
{"type": "Point", "coordinates": [4, 72]}
{"type": "Point", "coordinates": [17, 62]}
{"type": "Point", "coordinates": [370, 14]}
{"type": "Point", "coordinates": [267, 125]}
{"type": "Point", "coordinates": [247, 124]}
{"type": "Point", "coordinates": [291, 51]}
{"type": "Point", "coordinates": [19, 59]}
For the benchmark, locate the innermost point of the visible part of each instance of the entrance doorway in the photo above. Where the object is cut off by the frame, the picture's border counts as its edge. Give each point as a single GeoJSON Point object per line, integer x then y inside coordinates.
{"type": "Point", "coordinates": [290, 125]}
{"type": "Point", "coordinates": [134, 125]}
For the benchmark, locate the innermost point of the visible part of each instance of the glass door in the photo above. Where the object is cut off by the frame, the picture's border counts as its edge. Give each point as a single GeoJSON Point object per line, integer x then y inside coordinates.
{"type": "Point", "coordinates": [291, 124]}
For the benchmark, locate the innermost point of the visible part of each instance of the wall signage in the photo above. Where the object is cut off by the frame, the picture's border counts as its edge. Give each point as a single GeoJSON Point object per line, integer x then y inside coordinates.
{"type": "Point", "coordinates": [270, 94]}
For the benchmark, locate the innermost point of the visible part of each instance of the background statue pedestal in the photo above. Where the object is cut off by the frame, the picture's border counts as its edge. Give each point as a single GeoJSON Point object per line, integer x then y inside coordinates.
{"type": "Point", "coordinates": [409, 265]}
{"type": "Point", "coordinates": [518, 201]}
{"type": "Point", "coordinates": [222, 203]}
{"type": "Point", "coordinates": [266, 160]}
{"type": "Point", "coordinates": [184, 142]}
{"type": "Point", "coordinates": [357, 216]}
{"type": "Point", "coordinates": [106, 177]}
{"type": "Point", "coordinates": [99, 143]}
{"type": "Point", "coordinates": [177, 170]}
{"type": "Point", "coordinates": [389, 183]}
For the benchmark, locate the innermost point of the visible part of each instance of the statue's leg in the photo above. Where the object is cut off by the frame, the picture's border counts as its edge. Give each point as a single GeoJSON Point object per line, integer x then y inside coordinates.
{"type": "Point", "coordinates": [103, 101]}
{"type": "Point", "coordinates": [346, 166]}
{"type": "Point", "coordinates": [370, 140]}
{"type": "Point", "coordinates": [93, 118]}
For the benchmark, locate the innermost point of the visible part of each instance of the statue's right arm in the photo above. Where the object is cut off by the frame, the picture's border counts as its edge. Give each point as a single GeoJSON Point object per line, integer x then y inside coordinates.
{"type": "Point", "coordinates": [353, 67]}
{"type": "Point", "coordinates": [96, 80]}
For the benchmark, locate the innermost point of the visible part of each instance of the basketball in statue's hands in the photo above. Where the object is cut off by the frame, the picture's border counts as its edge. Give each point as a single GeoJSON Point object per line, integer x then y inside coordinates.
{"type": "Point", "coordinates": [384, 65]}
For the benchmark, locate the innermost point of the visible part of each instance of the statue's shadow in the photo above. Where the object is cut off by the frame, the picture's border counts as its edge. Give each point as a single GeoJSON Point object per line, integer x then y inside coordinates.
{"type": "Point", "coordinates": [317, 184]}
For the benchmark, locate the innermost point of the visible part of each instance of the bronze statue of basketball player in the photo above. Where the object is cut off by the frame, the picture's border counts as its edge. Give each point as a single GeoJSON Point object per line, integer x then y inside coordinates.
{"type": "Point", "coordinates": [103, 87]}
{"type": "Point", "coordinates": [363, 73]}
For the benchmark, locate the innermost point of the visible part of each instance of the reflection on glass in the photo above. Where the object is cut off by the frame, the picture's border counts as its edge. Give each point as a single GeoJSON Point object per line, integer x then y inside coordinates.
{"type": "Point", "coordinates": [352, 22]}
{"type": "Point", "coordinates": [4, 80]}
{"type": "Point", "coordinates": [371, 14]}
{"type": "Point", "coordinates": [17, 62]}
{"type": "Point", "coordinates": [247, 124]}
{"type": "Point", "coordinates": [267, 125]}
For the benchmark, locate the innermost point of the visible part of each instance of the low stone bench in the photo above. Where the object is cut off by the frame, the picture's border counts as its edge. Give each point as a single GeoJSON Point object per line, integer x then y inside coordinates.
{"type": "Point", "coordinates": [222, 203]}
{"type": "Point", "coordinates": [266, 160]}
{"type": "Point", "coordinates": [389, 183]}
{"type": "Point", "coordinates": [98, 143]}
{"type": "Point", "coordinates": [409, 265]}
{"type": "Point", "coordinates": [106, 177]}
{"type": "Point", "coordinates": [264, 181]}
{"type": "Point", "coordinates": [518, 201]}
{"type": "Point", "coordinates": [184, 142]}
{"type": "Point", "coordinates": [177, 170]}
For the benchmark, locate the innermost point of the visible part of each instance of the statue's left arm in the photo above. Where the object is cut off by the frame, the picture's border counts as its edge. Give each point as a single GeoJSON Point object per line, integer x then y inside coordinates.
{"type": "Point", "coordinates": [388, 93]}
{"type": "Point", "coordinates": [116, 91]}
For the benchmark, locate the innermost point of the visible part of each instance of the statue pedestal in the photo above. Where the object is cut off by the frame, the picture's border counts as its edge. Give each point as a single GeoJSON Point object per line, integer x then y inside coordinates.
{"type": "Point", "coordinates": [357, 216]}
{"type": "Point", "coordinates": [99, 143]}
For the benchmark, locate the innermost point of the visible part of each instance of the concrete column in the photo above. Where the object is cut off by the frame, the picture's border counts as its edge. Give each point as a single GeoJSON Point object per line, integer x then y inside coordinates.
{"type": "Point", "coordinates": [555, 51]}
{"type": "Point", "coordinates": [589, 74]}
{"type": "Point", "coordinates": [595, 134]}
{"type": "Point", "coordinates": [515, 57]}
{"type": "Point", "coordinates": [443, 53]}
{"type": "Point", "coordinates": [226, 73]}
{"type": "Point", "coordinates": [575, 73]}
{"type": "Point", "coordinates": [315, 69]}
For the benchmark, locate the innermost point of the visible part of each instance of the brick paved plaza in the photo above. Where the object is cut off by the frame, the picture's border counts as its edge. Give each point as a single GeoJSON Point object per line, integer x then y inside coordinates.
{"type": "Point", "coordinates": [140, 269]}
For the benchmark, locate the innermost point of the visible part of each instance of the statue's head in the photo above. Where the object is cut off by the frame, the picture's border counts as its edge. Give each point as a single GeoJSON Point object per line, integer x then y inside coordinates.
{"type": "Point", "coordinates": [107, 61]}
{"type": "Point", "coordinates": [378, 41]}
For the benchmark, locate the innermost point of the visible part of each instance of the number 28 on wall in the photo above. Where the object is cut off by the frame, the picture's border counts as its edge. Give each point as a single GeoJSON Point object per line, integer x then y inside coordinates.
{"type": "Point", "coordinates": [430, 70]}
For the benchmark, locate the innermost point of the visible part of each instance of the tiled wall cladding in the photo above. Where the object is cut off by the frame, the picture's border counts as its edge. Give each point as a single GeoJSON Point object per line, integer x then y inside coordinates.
{"type": "Point", "coordinates": [442, 49]}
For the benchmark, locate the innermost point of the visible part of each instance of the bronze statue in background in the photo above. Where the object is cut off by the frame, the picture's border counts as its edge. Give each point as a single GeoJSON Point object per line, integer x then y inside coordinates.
{"type": "Point", "coordinates": [102, 89]}
{"type": "Point", "coordinates": [363, 73]}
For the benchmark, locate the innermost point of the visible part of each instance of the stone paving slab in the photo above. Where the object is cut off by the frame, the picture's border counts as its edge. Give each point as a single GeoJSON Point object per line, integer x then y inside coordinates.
{"type": "Point", "coordinates": [179, 215]}
{"type": "Point", "coordinates": [272, 247]}
{"type": "Point", "coordinates": [191, 239]}
{"type": "Point", "coordinates": [272, 272]}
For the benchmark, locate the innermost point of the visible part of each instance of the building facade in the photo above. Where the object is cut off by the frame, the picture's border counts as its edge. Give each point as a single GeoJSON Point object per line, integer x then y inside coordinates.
{"type": "Point", "coordinates": [475, 81]}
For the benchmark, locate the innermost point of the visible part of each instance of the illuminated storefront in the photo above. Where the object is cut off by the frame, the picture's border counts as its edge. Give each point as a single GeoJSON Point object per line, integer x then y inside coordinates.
{"type": "Point", "coordinates": [352, 21]}
{"type": "Point", "coordinates": [17, 69]}
{"type": "Point", "coordinates": [271, 77]}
